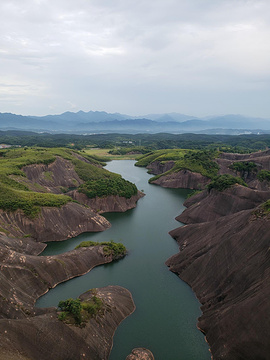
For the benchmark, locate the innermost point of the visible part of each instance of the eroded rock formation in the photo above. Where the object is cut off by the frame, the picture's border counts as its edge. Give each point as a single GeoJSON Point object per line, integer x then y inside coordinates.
{"type": "Point", "coordinates": [112, 203]}
{"type": "Point", "coordinates": [44, 337]}
{"type": "Point", "coordinates": [140, 354]}
{"type": "Point", "coordinates": [70, 220]}
{"type": "Point", "coordinates": [33, 333]}
{"type": "Point", "coordinates": [53, 223]}
{"type": "Point", "coordinates": [183, 179]}
{"type": "Point", "coordinates": [224, 256]}
{"type": "Point", "coordinates": [208, 206]}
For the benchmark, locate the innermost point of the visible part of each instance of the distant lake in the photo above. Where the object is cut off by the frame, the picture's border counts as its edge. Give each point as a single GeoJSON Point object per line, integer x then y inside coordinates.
{"type": "Point", "coordinates": [166, 308]}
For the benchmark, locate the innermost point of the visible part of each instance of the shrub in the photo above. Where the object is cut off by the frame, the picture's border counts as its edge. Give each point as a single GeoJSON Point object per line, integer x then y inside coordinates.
{"type": "Point", "coordinates": [263, 175]}
{"type": "Point", "coordinates": [223, 182]}
{"type": "Point", "coordinates": [108, 186]}
{"type": "Point", "coordinates": [243, 167]}
{"type": "Point", "coordinates": [72, 307]}
{"type": "Point", "coordinates": [117, 250]}
{"type": "Point", "coordinates": [78, 312]}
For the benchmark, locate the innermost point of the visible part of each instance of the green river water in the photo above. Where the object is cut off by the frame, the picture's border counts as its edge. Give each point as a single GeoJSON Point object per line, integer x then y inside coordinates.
{"type": "Point", "coordinates": [166, 309]}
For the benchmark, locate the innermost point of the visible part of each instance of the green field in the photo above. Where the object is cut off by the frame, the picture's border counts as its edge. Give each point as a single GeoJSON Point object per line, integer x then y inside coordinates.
{"type": "Point", "coordinates": [105, 156]}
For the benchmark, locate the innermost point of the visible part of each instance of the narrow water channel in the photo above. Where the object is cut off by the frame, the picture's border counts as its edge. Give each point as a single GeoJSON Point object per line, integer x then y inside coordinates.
{"type": "Point", "coordinates": [166, 309]}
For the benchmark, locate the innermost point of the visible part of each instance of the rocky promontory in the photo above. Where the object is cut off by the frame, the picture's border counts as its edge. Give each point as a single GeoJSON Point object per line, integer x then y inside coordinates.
{"type": "Point", "coordinates": [45, 337]}
{"type": "Point", "coordinates": [37, 333]}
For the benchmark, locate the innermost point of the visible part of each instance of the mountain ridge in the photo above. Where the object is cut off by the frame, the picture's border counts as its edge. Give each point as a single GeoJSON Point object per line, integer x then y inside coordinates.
{"type": "Point", "coordinates": [101, 121]}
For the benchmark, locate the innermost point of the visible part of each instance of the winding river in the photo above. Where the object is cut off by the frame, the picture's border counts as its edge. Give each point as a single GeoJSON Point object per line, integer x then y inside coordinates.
{"type": "Point", "coordinates": [166, 309]}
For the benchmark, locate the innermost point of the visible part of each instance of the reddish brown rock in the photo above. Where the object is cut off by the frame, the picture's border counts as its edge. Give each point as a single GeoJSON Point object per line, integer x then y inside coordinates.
{"type": "Point", "coordinates": [33, 333]}
{"type": "Point", "coordinates": [208, 206]}
{"type": "Point", "coordinates": [160, 167]}
{"type": "Point", "coordinates": [44, 337]}
{"type": "Point", "coordinates": [227, 264]}
{"type": "Point", "coordinates": [53, 224]}
{"type": "Point", "coordinates": [52, 177]}
{"type": "Point", "coordinates": [112, 203]}
{"type": "Point", "coordinates": [140, 354]}
{"type": "Point", "coordinates": [183, 179]}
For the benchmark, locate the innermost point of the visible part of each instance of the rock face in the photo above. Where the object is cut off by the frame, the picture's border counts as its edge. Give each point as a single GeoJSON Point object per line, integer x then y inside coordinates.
{"type": "Point", "coordinates": [158, 167]}
{"type": "Point", "coordinates": [70, 220]}
{"type": "Point", "coordinates": [37, 333]}
{"type": "Point", "coordinates": [260, 158]}
{"type": "Point", "coordinates": [44, 337]}
{"type": "Point", "coordinates": [53, 224]}
{"type": "Point", "coordinates": [53, 177]}
{"type": "Point", "coordinates": [110, 203]}
{"type": "Point", "coordinates": [140, 354]}
{"type": "Point", "coordinates": [226, 261]}
{"type": "Point", "coordinates": [183, 179]}
{"type": "Point", "coordinates": [208, 206]}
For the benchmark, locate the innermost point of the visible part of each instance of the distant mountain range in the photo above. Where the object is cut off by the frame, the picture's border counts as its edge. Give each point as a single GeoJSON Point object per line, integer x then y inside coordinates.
{"type": "Point", "coordinates": [103, 122]}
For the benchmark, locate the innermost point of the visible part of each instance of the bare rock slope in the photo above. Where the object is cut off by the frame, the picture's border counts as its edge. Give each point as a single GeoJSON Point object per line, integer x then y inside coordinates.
{"type": "Point", "coordinates": [37, 333]}
{"type": "Point", "coordinates": [224, 256]}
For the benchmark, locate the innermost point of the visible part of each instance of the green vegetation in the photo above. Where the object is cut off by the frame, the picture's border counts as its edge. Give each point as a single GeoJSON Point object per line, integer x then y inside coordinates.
{"type": "Point", "coordinates": [263, 210]}
{"type": "Point", "coordinates": [223, 182]}
{"type": "Point", "coordinates": [266, 207]}
{"type": "Point", "coordinates": [115, 185]}
{"type": "Point", "coordinates": [16, 195]}
{"type": "Point", "coordinates": [225, 143]}
{"type": "Point", "coordinates": [30, 202]}
{"type": "Point", "coordinates": [74, 311]}
{"type": "Point", "coordinates": [117, 250]}
{"type": "Point", "coordinates": [263, 175]}
{"type": "Point", "coordinates": [161, 155]}
{"type": "Point", "coordinates": [200, 161]}
{"type": "Point", "coordinates": [244, 167]}
{"type": "Point", "coordinates": [194, 192]}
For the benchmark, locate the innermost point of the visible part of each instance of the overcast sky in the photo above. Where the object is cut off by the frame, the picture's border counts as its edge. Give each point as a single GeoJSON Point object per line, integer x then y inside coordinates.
{"type": "Point", "coordinates": [196, 57]}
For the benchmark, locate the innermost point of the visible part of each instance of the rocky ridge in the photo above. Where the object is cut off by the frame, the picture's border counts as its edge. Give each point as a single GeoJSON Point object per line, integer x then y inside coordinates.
{"type": "Point", "coordinates": [37, 333]}
{"type": "Point", "coordinates": [224, 256]}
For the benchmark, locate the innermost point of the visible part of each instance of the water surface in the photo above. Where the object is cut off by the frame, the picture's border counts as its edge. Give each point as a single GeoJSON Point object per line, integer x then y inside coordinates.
{"type": "Point", "coordinates": [166, 309]}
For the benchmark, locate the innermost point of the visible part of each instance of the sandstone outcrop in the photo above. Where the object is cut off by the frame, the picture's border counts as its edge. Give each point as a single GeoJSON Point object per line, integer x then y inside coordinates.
{"type": "Point", "coordinates": [183, 179]}
{"type": "Point", "coordinates": [44, 337]}
{"type": "Point", "coordinates": [53, 223]}
{"type": "Point", "coordinates": [140, 354]}
{"type": "Point", "coordinates": [224, 256]}
{"type": "Point", "coordinates": [227, 264]}
{"type": "Point", "coordinates": [112, 203]}
{"type": "Point", "coordinates": [208, 206]}
{"type": "Point", "coordinates": [36, 333]}
{"type": "Point", "coordinates": [52, 177]}
{"type": "Point", "coordinates": [159, 167]}
{"type": "Point", "coordinates": [70, 220]}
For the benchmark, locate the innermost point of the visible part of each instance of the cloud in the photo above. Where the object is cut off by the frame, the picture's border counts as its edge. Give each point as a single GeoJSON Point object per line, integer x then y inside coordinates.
{"type": "Point", "coordinates": [134, 57]}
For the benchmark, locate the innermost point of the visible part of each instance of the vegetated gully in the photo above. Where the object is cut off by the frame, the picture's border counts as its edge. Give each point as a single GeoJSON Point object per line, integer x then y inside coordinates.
{"type": "Point", "coordinates": [166, 308]}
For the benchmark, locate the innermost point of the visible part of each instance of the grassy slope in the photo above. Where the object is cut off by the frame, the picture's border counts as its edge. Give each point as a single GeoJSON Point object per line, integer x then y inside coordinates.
{"type": "Point", "coordinates": [15, 195]}
{"type": "Point", "coordinates": [195, 161]}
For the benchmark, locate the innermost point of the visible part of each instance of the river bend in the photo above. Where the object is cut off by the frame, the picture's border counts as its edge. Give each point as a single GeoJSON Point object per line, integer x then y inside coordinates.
{"type": "Point", "coordinates": [166, 309]}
